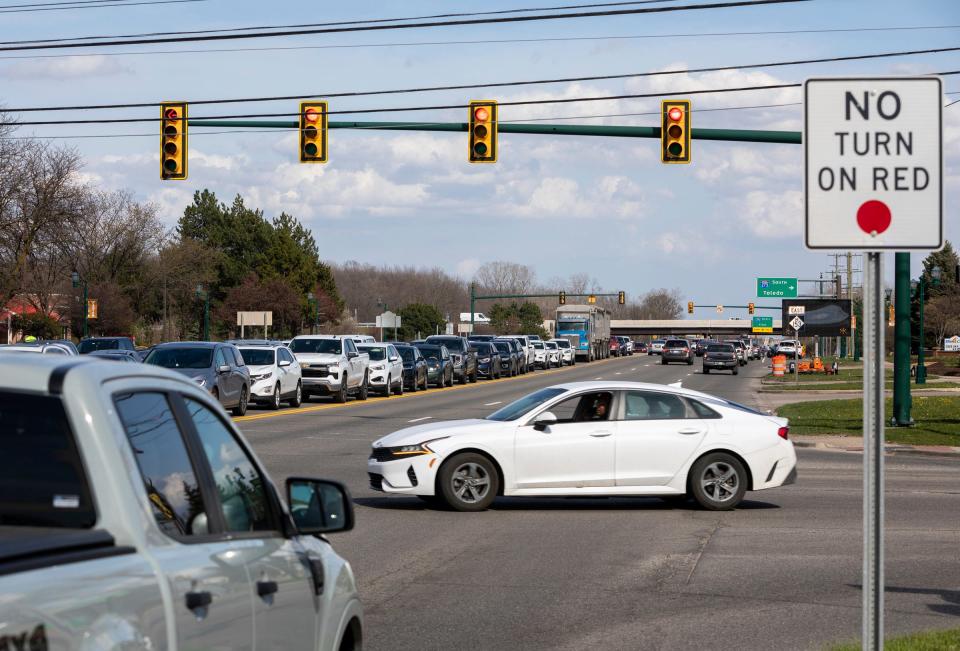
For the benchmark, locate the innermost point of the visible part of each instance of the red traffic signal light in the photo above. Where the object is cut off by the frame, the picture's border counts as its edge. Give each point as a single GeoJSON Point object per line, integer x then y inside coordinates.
{"type": "Point", "coordinates": [313, 132]}
{"type": "Point", "coordinates": [483, 132]}
{"type": "Point", "coordinates": [173, 141]}
{"type": "Point", "coordinates": [675, 131]}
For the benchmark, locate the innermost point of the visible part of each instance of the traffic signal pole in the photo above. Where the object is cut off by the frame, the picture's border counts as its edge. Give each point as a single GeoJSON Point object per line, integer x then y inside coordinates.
{"type": "Point", "coordinates": [729, 135]}
{"type": "Point", "coordinates": [901, 342]}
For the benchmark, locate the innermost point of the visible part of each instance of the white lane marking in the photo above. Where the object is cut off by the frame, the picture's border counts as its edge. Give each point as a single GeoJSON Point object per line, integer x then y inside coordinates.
{"type": "Point", "coordinates": [618, 373]}
{"type": "Point", "coordinates": [634, 368]}
{"type": "Point", "coordinates": [689, 374]}
{"type": "Point", "coordinates": [598, 378]}
{"type": "Point", "coordinates": [490, 404]}
{"type": "Point", "coordinates": [417, 420]}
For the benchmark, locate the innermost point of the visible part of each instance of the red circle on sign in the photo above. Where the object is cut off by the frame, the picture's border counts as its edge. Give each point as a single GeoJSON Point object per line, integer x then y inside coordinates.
{"type": "Point", "coordinates": [873, 217]}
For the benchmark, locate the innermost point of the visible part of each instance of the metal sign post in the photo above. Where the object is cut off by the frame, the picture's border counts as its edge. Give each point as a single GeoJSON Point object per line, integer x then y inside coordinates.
{"type": "Point", "coordinates": [873, 379]}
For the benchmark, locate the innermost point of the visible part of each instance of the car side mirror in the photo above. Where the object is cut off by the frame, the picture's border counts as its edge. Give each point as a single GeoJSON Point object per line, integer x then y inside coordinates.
{"type": "Point", "coordinates": [319, 505]}
{"type": "Point", "coordinates": [223, 368]}
{"type": "Point", "coordinates": [283, 363]}
{"type": "Point", "coordinates": [543, 421]}
{"type": "Point", "coordinates": [393, 359]}
{"type": "Point", "coordinates": [352, 355]}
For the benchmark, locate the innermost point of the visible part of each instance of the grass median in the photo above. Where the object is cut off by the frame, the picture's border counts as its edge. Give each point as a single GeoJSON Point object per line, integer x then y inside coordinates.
{"type": "Point", "coordinates": [846, 386]}
{"type": "Point", "coordinates": [931, 641]}
{"type": "Point", "coordinates": [937, 419]}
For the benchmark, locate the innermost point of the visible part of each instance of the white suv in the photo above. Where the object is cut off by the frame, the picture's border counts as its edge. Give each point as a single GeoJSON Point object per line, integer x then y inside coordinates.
{"type": "Point", "coordinates": [275, 375]}
{"type": "Point", "coordinates": [567, 353]}
{"type": "Point", "coordinates": [386, 368]}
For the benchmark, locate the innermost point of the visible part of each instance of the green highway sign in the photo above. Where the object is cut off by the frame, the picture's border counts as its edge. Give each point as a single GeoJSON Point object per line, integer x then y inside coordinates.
{"type": "Point", "coordinates": [762, 324]}
{"type": "Point", "coordinates": [776, 287]}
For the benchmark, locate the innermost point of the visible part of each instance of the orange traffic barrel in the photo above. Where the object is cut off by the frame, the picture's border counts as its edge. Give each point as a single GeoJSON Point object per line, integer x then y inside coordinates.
{"type": "Point", "coordinates": [779, 365]}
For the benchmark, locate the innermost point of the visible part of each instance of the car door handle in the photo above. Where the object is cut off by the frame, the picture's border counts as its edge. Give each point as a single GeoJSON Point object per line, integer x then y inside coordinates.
{"type": "Point", "coordinates": [267, 588]}
{"type": "Point", "coordinates": [198, 600]}
{"type": "Point", "coordinates": [601, 434]}
{"type": "Point", "coordinates": [690, 430]}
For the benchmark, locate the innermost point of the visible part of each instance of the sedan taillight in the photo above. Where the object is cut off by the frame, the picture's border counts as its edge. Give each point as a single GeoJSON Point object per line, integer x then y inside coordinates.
{"type": "Point", "coordinates": [783, 432]}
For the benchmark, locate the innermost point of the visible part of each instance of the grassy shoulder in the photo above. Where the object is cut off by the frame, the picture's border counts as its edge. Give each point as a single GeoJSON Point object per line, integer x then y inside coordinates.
{"type": "Point", "coordinates": [937, 419]}
{"type": "Point", "coordinates": [930, 641]}
{"type": "Point", "coordinates": [845, 386]}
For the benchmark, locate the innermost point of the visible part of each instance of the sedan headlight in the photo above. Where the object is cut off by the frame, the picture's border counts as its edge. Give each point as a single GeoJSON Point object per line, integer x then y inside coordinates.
{"type": "Point", "coordinates": [485, 360]}
{"type": "Point", "coordinates": [377, 367]}
{"type": "Point", "coordinates": [262, 376]}
{"type": "Point", "coordinates": [403, 451]}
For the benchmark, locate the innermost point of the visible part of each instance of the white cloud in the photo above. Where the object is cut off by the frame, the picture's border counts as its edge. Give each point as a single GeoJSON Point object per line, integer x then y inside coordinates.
{"type": "Point", "coordinates": [772, 214]}
{"type": "Point", "coordinates": [65, 68]}
{"type": "Point", "coordinates": [467, 268]}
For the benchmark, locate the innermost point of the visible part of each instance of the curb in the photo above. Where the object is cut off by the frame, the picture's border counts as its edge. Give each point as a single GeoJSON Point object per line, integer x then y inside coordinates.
{"type": "Point", "coordinates": [892, 449]}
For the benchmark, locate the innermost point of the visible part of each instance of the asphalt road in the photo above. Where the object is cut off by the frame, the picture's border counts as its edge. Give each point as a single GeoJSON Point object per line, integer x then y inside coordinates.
{"type": "Point", "coordinates": [781, 572]}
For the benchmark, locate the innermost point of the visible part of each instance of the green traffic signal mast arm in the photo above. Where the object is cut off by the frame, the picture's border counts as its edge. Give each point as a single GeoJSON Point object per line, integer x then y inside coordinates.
{"type": "Point", "coordinates": [732, 135]}
{"type": "Point", "coordinates": [744, 307]}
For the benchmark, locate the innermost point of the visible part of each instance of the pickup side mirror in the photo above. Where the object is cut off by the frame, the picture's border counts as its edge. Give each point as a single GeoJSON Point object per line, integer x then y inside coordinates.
{"type": "Point", "coordinates": [394, 358]}
{"type": "Point", "coordinates": [543, 421]}
{"type": "Point", "coordinates": [283, 363]}
{"type": "Point", "coordinates": [319, 505]}
{"type": "Point", "coordinates": [351, 355]}
{"type": "Point", "coordinates": [223, 368]}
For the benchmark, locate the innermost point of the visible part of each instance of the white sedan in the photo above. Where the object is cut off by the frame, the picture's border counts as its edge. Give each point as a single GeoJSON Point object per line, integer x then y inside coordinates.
{"type": "Point", "coordinates": [591, 439]}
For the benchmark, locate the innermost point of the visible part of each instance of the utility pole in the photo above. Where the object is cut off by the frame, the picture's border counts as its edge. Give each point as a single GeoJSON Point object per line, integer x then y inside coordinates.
{"type": "Point", "coordinates": [902, 402]}
{"type": "Point", "coordinates": [847, 343]}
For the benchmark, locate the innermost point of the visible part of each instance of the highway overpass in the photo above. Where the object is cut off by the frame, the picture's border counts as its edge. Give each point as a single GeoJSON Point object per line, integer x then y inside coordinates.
{"type": "Point", "coordinates": [653, 328]}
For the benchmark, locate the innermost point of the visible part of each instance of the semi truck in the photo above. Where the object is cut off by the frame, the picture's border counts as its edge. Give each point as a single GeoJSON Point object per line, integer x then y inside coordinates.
{"type": "Point", "coordinates": [588, 329]}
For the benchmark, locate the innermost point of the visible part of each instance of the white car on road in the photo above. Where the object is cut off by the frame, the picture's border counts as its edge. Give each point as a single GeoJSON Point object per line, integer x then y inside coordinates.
{"type": "Point", "coordinates": [274, 375]}
{"type": "Point", "coordinates": [554, 355]}
{"type": "Point", "coordinates": [591, 439]}
{"type": "Point", "coordinates": [540, 357]}
{"type": "Point", "coordinates": [567, 353]}
{"type": "Point", "coordinates": [332, 365]}
{"type": "Point", "coordinates": [386, 368]}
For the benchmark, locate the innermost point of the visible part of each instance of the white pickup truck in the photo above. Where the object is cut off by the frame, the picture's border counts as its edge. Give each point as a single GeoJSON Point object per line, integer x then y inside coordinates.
{"type": "Point", "coordinates": [133, 515]}
{"type": "Point", "coordinates": [332, 365]}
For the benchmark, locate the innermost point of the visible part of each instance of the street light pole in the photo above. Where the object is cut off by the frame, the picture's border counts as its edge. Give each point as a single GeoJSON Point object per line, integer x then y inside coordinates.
{"type": "Point", "coordinates": [77, 280]}
{"type": "Point", "coordinates": [313, 300]}
{"type": "Point", "coordinates": [935, 274]}
{"type": "Point", "coordinates": [902, 402]}
{"type": "Point", "coordinates": [205, 295]}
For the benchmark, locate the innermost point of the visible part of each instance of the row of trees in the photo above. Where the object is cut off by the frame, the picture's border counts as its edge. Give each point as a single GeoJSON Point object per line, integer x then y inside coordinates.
{"type": "Point", "coordinates": [144, 276]}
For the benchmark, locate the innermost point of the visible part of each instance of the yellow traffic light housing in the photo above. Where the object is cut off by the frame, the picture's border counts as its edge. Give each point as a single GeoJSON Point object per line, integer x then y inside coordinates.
{"type": "Point", "coordinates": [622, 298]}
{"type": "Point", "coordinates": [689, 307]}
{"type": "Point", "coordinates": [563, 298]}
{"type": "Point", "coordinates": [173, 141]}
{"type": "Point", "coordinates": [751, 308]}
{"type": "Point", "coordinates": [675, 131]}
{"type": "Point", "coordinates": [313, 132]}
{"type": "Point", "coordinates": [483, 131]}
{"type": "Point", "coordinates": [592, 300]}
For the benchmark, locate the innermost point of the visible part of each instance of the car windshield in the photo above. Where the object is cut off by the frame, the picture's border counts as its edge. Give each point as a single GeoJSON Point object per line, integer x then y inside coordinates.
{"type": "Point", "coordinates": [258, 356]}
{"type": "Point", "coordinates": [90, 345]}
{"type": "Point", "coordinates": [377, 353]}
{"type": "Point", "coordinates": [430, 352]}
{"type": "Point", "coordinates": [538, 344]}
{"type": "Point", "coordinates": [453, 343]}
{"type": "Point", "coordinates": [524, 405]}
{"type": "Point", "coordinates": [551, 345]}
{"type": "Point", "coordinates": [407, 354]}
{"type": "Point", "coordinates": [502, 346]}
{"type": "Point", "coordinates": [181, 357]}
{"type": "Point", "coordinates": [562, 343]}
{"type": "Point", "coordinates": [330, 346]}
{"type": "Point", "coordinates": [569, 324]}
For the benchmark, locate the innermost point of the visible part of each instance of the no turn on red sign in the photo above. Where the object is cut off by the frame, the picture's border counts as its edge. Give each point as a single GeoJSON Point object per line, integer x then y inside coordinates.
{"type": "Point", "coordinates": [873, 155]}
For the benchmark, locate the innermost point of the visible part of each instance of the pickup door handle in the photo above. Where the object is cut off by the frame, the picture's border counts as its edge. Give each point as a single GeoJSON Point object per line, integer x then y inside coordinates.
{"type": "Point", "coordinates": [690, 430]}
{"type": "Point", "coordinates": [601, 434]}
{"type": "Point", "coordinates": [197, 600]}
{"type": "Point", "coordinates": [267, 588]}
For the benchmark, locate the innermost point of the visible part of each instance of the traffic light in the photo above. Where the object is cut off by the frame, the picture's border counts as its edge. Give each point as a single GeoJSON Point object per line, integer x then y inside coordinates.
{"type": "Point", "coordinates": [563, 298]}
{"type": "Point", "coordinates": [751, 308]}
{"type": "Point", "coordinates": [313, 132]}
{"type": "Point", "coordinates": [592, 300]}
{"type": "Point", "coordinates": [689, 307]}
{"type": "Point", "coordinates": [621, 298]}
{"type": "Point", "coordinates": [675, 131]}
{"type": "Point", "coordinates": [173, 141]}
{"type": "Point", "coordinates": [483, 131]}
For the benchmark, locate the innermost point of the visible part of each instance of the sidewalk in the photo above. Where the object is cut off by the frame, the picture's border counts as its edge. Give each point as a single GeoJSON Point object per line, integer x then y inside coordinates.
{"type": "Point", "coordinates": [855, 444]}
{"type": "Point", "coordinates": [772, 400]}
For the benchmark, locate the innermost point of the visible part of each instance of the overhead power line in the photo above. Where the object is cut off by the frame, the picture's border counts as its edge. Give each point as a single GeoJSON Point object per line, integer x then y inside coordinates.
{"type": "Point", "coordinates": [498, 41]}
{"type": "Point", "coordinates": [332, 24]}
{"type": "Point", "coordinates": [101, 5]}
{"type": "Point", "coordinates": [366, 28]}
{"type": "Point", "coordinates": [401, 109]}
{"type": "Point", "coordinates": [503, 84]}
{"type": "Point", "coordinates": [516, 121]}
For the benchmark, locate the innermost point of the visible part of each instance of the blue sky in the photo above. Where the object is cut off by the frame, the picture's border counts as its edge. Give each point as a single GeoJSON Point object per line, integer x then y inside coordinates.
{"type": "Point", "coordinates": [603, 206]}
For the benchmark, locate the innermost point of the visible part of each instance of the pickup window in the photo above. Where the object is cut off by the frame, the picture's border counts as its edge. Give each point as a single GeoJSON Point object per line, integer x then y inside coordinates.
{"type": "Point", "coordinates": [243, 497]}
{"type": "Point", "coordinates": [171, 484]}
{"type": "Point", "coordinates": [42, 481]}
{"type": "Point", "coordinates": [316, 346]}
